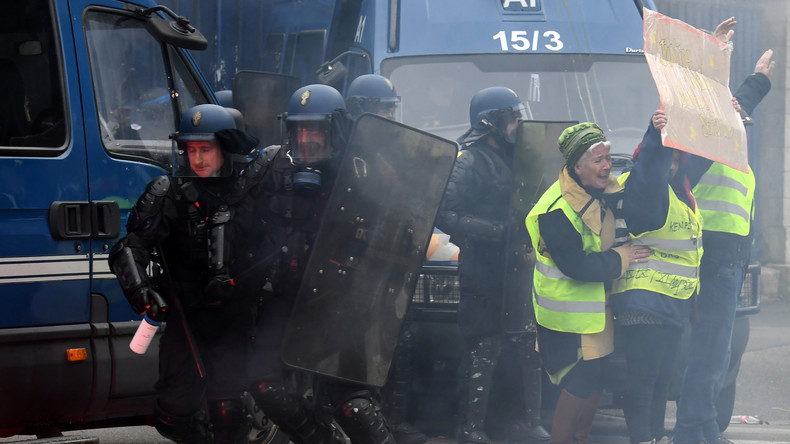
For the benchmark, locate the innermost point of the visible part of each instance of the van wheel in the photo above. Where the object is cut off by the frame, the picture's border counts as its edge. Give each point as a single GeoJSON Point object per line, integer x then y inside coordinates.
{"type": "Point", "coordinates": [724, 406]}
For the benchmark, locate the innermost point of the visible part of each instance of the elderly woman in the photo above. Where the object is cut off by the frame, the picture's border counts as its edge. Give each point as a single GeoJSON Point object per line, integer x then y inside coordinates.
{"type": "Point", "coordinates": [572, 228]}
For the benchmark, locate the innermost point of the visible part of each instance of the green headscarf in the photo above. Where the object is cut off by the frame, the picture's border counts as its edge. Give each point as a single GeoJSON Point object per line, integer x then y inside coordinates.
{"type": "Point", "coordinates": [577, 139]}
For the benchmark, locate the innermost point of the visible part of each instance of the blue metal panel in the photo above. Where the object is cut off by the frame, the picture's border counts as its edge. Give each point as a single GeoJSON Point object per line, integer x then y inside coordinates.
{"type": "Point", "coordinates": [441, 27]}
{"type": "Point", "coordinates": [234, 29]}
{"type": "Point", "coordinates": [27, 248]}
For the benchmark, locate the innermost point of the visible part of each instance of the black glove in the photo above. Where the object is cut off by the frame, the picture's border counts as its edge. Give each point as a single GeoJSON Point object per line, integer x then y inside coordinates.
{"type": "Point", "coordinates": [147, 300]}
{"type": "Point", "coordinates": [218, 288]}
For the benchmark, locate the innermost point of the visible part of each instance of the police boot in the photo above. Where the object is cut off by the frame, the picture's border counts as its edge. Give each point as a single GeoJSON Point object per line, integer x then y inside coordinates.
{"type": "Point", "coordinates": [402, 430]}
{"type": "Point", "coordinates": [481, 362]}
{"type": "Point", "coordinates": [191, 429]}
{"type": "Point", "coordinates": [530, 429]}
{"type": "Point", "coordinates": [286, 410]}
{"type": "Point", "coordinates": [362, 420]}
{"type": "Point", "coordinates": [395, 394]}
{"type": "Point", "coordinates": [229, 422]}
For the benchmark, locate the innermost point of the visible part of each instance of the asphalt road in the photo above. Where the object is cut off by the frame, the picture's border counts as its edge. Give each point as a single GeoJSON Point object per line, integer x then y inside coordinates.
{"type": "Point", "coordinates": [763, 391]}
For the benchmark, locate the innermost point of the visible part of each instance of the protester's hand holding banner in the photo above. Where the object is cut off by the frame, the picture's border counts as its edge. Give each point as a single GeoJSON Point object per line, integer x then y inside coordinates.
{"type": "Point", "coordinates": [692, 72]}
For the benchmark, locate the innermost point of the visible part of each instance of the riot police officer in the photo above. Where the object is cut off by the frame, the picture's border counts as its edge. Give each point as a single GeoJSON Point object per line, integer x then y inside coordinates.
{"type": "Point", "coordinates": [372, 93]}
{"type": "Point", "coordinates": [182, 222]}
{"type": "Point", "coordinates": [375, 94]}
{"type": "Point", "coordinates": [303, 173]}
{"type": "Point", "coordinates": [475, 212]}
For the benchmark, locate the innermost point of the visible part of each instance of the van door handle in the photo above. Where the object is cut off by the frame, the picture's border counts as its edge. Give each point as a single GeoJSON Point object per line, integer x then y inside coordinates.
{"type": "Point", "coordinates": [70, 220]}
{"type": "Point", "coordinates": [99, 219]}
{"type": "Point", "coordinates": [106, 218]}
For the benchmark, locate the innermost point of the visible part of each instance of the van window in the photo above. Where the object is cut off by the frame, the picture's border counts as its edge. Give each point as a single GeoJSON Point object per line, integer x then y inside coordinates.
{"type": "Point", "coordinates": [31, 97]}
{"type": "Point", "coordinates": [133, 102]}
{"type": "Point", "coordinates": [273, 52]}
{"type": "Point", "coordinates": [290, 48]}
{"type": "Point", "coordinates": [309, 54]}
{"type": "Point", "coordinates": [190, 92]}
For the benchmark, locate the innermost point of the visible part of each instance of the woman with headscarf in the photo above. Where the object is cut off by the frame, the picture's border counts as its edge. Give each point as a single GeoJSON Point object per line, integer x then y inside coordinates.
{"type": "Point", "coordinates": [572, 228]}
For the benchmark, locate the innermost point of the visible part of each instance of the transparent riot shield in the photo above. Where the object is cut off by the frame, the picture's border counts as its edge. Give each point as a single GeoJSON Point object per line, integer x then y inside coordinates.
{"type": "Point", "coordinates": [536, 165]}
{"type": "Point", "coordinates": [368, 252]}
{"type": "Point", "coordinates": [261, 97]}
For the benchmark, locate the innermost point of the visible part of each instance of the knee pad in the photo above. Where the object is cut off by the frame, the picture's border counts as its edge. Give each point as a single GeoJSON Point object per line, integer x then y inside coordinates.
{"type": "Point", "coordinates": [286, 410]}
{"type": "Point", "coordinates": [483, 354]}
{"type": "Point", "coordinates": [363, 422]}
{"type": "Point", "coordinates": [275, 400]}
{"type": "Point", "coordinates": [190, 429]}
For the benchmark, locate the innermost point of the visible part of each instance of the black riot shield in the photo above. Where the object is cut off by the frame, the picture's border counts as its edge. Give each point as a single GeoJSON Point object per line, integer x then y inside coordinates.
{"type": "Point", "coordinates": [536, 165]}
{"type": "Point", "coordinates": [261, 97]}
{"type": "Point", "coordinates": [368, 252]}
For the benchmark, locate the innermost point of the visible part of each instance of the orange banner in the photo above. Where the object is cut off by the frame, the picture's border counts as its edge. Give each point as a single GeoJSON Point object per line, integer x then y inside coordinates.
{"type": "Point", "coordinates": [692, 73]}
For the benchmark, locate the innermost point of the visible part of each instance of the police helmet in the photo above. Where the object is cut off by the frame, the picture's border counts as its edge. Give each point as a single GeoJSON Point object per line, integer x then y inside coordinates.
{"type": "Point", "coordinates": [308, 124]}
{"type": "Point", "coordinates": [225, 98]}
{"type": "Point", "coordinates": [372, 93]}
{"type": "Point", "coordinates": [197, 152]}
{"type": "Point", "coordinates": [494, 108]}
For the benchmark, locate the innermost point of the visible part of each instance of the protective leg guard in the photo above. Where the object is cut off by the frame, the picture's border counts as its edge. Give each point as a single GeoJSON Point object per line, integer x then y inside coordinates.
{"type": "Point", "coordinates": [362, 421]}
{"type": "Point", "coordinates": [285, 410]}
{"type": "Point", "coordinates": [481, 360]}
{"type": "Point", "coordinates": [182, 429]}
{"type": "Point", "coordinates": [395, 394]}
{"type": "Point", "coordinates": [229, 422]}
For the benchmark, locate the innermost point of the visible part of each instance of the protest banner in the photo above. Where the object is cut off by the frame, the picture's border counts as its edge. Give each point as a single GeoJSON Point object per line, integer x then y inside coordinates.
{"type": "Point", "coordinates": [691, 70]}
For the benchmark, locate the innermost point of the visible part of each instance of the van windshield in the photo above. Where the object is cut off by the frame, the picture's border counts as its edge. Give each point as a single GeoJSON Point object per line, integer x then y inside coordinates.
{"type": "Point", "coordinates": [615, 91]}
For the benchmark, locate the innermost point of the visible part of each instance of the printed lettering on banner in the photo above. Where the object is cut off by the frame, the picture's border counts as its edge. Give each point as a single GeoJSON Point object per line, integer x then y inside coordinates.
{"type": "Point", "coordinates": [691, 70]}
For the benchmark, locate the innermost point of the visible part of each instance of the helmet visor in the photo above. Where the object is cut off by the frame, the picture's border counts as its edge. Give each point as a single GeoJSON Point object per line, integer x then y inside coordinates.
{"type": "Point", "coordinates": [519, 112]}
{"type": "Point", "coordinates": [309, 141]}
{"type": "Point", "coordinates": [510, 118]}
{"type": "Point", "coordinates": [388, 108]}
{"type": "Point", "coordinates": [200, 156]}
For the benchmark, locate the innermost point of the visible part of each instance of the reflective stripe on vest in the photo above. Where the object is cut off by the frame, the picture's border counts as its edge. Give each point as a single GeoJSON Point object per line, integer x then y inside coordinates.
{"type": "Point", "coordinates": [562, 303]}
{"type": "Point", "coordinates": [550, 271]}
{"type": "Point", "coordinates": [567, 306]}
{"type": "Point", "coordinates": [673, 265]}
{"type": "Point", "coordinates": [725, 197]}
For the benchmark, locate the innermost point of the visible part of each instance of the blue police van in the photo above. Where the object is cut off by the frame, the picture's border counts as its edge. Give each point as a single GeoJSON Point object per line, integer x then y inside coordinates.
{"type": "Point", "coordinates": [92, 89]}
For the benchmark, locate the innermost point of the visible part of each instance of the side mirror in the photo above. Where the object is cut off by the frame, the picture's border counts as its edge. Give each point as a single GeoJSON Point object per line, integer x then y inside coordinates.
{"type": "Point", "coordinates": [329, 73]}
{"type": "Point", "coordinates": [332, 71]}
{"type": "Point", "coordinates": [178, 33]}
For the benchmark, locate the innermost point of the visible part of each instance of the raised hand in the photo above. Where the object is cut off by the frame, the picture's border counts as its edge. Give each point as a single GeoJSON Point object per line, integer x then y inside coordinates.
{"type": "Point", "coordinates": [724, 30]}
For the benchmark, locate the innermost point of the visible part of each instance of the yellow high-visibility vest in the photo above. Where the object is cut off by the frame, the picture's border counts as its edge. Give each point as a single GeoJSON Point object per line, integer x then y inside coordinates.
{"type": "Point", "coordinates": [673, 265]}
{"type": "Point", "coordinates": [725, 197]}
{"type": "Point", "coordinates": [562, 303]}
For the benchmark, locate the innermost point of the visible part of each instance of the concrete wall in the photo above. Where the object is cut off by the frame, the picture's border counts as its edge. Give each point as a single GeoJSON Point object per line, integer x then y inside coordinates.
{"type": "Point", "coordinates": [773, 199]}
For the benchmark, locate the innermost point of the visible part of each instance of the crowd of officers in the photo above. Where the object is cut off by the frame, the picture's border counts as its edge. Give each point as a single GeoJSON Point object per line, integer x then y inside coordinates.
{"type": "Point", "coordinates": [221, 246]}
